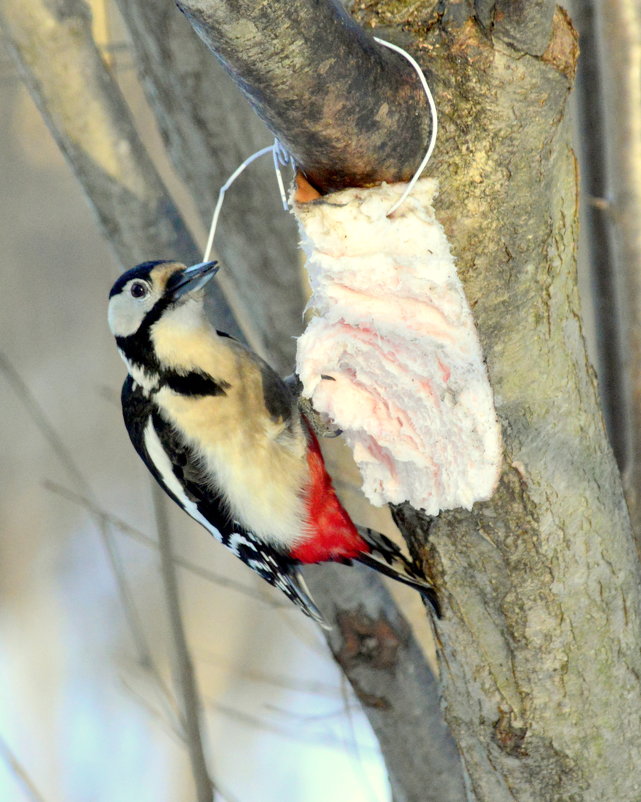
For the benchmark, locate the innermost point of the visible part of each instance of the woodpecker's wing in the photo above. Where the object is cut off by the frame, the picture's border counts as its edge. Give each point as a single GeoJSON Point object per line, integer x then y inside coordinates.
{"type": "Point", "coordinates": [175, 466]}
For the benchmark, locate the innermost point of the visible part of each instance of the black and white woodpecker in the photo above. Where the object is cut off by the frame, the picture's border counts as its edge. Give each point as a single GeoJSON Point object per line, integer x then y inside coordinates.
{"type": "Point", "coordinates": [224, 436]}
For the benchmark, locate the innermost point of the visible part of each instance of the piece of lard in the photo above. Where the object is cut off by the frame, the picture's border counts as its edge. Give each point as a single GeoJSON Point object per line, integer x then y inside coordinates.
{"type": "Point", "coordinates": [392, 356]}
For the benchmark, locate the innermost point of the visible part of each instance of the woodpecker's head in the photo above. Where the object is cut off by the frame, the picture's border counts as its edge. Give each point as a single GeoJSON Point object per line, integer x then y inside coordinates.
{"type": "Point", "coordinates": [149, 290]}
{"type": "Point", "coordinates": [151, 303]}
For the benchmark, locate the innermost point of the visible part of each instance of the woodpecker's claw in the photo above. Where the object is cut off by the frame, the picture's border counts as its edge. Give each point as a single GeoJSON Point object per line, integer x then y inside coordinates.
{"type": "Point", "coordinates": [320, 425]}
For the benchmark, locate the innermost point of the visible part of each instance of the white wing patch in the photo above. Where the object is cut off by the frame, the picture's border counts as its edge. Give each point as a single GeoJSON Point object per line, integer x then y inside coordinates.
{"type": "Point", "coordinates": [260, 479]}
{"type": "Point", "coordinates": [158, 456]}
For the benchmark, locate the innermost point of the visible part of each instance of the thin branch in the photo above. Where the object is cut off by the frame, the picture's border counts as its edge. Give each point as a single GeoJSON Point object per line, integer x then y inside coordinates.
{"type": "Point", "coordinates": [596, 227]}
{"type": "Point", "coordinates": [258, 723]}
{"type": "Point", "coordinates": [85, 111]}
{"type": "Point", "coordinates": [276, 680]}
{"type": "Point", "coordinates": [37, 414]}
{"type": "Point", "coordinates": [185, 681]}
{"type": "Point", "coordinates": [364, 118]}
{"type": "Point", "coordinates": [19, 772]}
{"type": "Point", "coordinates": [619, 40]}
{"type": "Point", "coordinates": [130, 531]}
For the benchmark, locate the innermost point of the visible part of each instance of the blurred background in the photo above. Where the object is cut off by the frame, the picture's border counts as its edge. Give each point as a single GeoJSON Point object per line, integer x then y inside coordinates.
{"type": "Point", "coordinates": [88, 708]}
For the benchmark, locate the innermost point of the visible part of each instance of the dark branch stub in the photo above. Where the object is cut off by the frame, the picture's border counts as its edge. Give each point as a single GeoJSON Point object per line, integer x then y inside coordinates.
{"type": "Point", "coordinates": [364, 118]}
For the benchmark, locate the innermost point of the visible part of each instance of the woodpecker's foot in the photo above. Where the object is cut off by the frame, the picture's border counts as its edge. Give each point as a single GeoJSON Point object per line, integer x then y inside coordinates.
{"type": "Point", "coordinates": [320, 424]}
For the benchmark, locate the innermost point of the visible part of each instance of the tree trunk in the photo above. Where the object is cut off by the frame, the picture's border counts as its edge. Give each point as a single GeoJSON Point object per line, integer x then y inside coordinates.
{"type": "Point", "coordinates": [539, 645]}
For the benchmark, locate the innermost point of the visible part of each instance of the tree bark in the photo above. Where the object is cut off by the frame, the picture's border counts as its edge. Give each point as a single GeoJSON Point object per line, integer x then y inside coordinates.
{"type": "Point", "coordinates": [373, 643]}
{"type": "Point", "coordinates": [539, 645]}
{"type": "Point", "coordinates": [346, 108]}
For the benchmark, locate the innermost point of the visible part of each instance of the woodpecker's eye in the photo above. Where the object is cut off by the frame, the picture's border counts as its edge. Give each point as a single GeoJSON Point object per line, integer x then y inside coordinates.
{"type": "Point", "coordinates": [139, 289]}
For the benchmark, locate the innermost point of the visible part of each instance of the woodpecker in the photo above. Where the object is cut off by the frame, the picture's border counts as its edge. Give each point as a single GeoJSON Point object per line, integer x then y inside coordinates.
{"type": "Point", "coordinates": [223, 435]}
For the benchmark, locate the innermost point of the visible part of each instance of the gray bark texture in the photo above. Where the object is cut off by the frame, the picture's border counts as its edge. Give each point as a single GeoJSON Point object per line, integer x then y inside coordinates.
{"type": "Point", "coordinates": [539, 645]}
{"type": "Point", "coordinates": [539, 649]}
{"type": "Point", "coordinates": [301, 64]}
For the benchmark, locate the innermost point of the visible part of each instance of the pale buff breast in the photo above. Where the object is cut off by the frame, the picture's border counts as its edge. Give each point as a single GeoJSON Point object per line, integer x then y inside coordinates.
{"type": "Point", "coordinates": [259, 464]}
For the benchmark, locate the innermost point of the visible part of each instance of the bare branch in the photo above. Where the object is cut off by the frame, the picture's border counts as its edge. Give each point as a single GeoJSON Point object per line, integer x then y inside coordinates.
{"type": "Point", "coordinates": [185, 681]}
{"type": "Point", "coordinates": [41, 421]}
{"type": "Point", "coordinates": [130, 531]}
{"type": "Point", "coordinates": [278, 681]}
{"type": "Point", "coordinates": [293, 733]}
{"type": "Point", "coordinates": [89, 118]}
{"type": "Point", "coordinates": [374, 645]}
{"type": "Point", "coordinates": [20, 773]}
{"type": "Point", "coordinates": [619, 40]}
{"type": "Point", "coordinates": [348, 110]}
{"type": "Point", "coordinates": [597, 222]}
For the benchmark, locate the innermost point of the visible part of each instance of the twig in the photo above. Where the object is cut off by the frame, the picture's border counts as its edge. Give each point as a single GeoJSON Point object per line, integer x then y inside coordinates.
{"type": "Point", "coordinates": [38, 416]}
{"type": "Point", "coordinates": [619, 42]}
{"type": "Point", "coordinates": [250, 720]}
{"type": "Point", "coordinates": [276, 680]}
{"type": "Point", "coordinates": [183, 670]}
{"type": "Point", "coordinates": [135, 534]}
{"type": "Point", "coordinates": [20, 772]}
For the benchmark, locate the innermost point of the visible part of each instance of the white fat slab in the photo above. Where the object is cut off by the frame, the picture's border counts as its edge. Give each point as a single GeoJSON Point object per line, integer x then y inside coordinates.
{"type": "Point", "coordinates": [394, 331]}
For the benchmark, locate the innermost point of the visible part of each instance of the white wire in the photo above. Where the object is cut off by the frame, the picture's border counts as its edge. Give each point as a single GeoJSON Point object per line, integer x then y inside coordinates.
{"type": "Point", "coordinates": [433, 112]}
{"type": "Point", "coordinates": [281, 158]}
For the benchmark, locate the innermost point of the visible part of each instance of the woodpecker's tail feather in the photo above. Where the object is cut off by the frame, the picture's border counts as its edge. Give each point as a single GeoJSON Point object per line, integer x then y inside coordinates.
{"type": "Point", "coordinates": [295, 588]}
{"type": "Point", "coordinates": [387, 558]}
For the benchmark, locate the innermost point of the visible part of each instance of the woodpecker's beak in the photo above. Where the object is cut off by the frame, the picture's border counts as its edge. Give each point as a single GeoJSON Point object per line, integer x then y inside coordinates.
{"type": "Point", "coordinates": [191, 279]}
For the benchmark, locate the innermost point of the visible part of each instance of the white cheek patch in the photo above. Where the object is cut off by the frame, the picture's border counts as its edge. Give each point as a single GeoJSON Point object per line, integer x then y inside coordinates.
{"type": "Point", "coordinates": [159, 457]}
{"type": "Point", "coordinates": [124, 315]}
{"type": "Point", "coordinates": [395, 335]}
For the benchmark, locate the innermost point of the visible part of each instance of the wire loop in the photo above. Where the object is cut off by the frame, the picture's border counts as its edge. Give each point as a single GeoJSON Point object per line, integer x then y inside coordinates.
{"type": "Point", "coordinates": [282, 158]}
